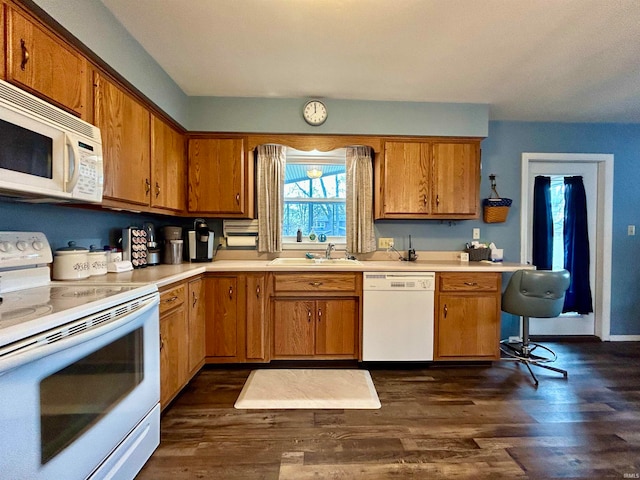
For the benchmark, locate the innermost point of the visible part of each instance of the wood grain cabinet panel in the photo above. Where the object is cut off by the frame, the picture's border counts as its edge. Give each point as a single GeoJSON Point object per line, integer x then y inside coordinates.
{"type": "Point", "coordinates": [223, 328]}
{"type": "Point", "coordinates": [3, 49]}
{"type": "Point", "coordinates": [467, 317]}
{"type": "Point", "coordinates": [174, 344]}
{"type": "Point", "coordinates": [168, 167]}
{"type": "Point", "coordinates": [196, 320]}
{"type": "Point", "coordinates": [219, 178]}
{"type": "Point", "coordinates": [257, 298]}
{"type": "Point", "coordinates": [428, 178]}
{"type": "Point", "coordinates": [42, 63]}
{"type": "Point", "coordinates": [293, 328]}
{"type": "Point", "coordinates": [335, 327]}
{"type": "Point", "coordinates": [126, 135]}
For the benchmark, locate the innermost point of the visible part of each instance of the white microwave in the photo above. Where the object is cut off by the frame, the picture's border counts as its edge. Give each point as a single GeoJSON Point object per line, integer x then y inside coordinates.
{"type": "Point", "coordinates": [47, 154]}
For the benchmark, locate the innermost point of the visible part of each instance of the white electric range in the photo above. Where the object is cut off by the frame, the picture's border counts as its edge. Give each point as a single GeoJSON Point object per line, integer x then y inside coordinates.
{"type": "Point", "coordinates": [79, 370]}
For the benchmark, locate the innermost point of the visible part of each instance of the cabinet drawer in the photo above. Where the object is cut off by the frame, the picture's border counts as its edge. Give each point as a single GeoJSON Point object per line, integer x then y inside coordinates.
{"type": "Point", "coordinates": [172, 298]}
{"type": "Point", "coordinates": [468, 282]}
{"type": "Point", "coordinates": [315, 282]}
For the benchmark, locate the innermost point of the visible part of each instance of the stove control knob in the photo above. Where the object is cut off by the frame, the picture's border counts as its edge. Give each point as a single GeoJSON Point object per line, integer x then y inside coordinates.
{"type": "Point", "coordinates": [5, 247]}
{"type": "Point", "coordinates": [22, 245]}
{"type": "Point", "coordinates": [37, 245]}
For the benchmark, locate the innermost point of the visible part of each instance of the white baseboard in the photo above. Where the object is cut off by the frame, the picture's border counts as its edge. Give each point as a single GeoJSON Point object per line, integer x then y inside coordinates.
{"type": "Point", "coordinates": [624, 338]}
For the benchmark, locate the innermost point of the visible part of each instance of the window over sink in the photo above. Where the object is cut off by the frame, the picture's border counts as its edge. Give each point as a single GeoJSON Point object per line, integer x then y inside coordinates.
{"type": "Point", "coordinates": [314, 196]}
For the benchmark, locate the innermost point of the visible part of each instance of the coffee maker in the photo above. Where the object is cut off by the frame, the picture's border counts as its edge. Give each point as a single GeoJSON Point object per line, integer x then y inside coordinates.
{"type": "Point", "coordinates": [200, 242]}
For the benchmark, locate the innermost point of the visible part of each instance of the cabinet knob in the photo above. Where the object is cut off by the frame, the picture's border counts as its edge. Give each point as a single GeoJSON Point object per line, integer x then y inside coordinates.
{"type": "Point", "coordinates": [315, 284]}
{"type": "Point", "coordinates": [438, 200]}
{"type": "Point", "coordinates": [230, 293]}
{"type": "Point", "coordinates": [195, 299]}
{"type": "Point", "coordinates": [446, 310]}
{"type": "Point", "coordinates": [238, 198]}
{"type": "Point", "coordinates": [25, 54]}
{"type": "Point", "coordinates": [319, 314]}
{"type": "Point", "coordinates": [258, 291]}
{"type": "Point", "coordinates": [424, 199]}
{"type": "Point", "coordinates": [309, 316]}
{"type": "Point", "coordinates": [161, 343]}
{"type": "Point", "coordinates": [157, 190]}
{"type": "Point", "coordinates": [147, 186]}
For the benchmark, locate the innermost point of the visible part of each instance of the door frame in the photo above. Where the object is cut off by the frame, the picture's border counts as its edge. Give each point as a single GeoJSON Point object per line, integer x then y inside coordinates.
{"type": "Point", "coordinates": [604, 202]}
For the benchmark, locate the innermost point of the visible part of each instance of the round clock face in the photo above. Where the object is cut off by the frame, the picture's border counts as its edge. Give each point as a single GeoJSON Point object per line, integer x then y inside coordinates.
{"type": "Point", "coordinates": [314, 112]}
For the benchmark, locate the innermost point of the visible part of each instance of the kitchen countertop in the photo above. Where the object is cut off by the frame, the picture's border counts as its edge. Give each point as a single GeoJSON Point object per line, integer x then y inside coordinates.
{"type": "Point", "coordinates": [163, 275]}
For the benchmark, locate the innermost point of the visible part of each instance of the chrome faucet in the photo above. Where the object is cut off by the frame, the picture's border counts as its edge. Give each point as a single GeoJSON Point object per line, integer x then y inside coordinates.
{"type": "Point", "coordinates": [330, 247]}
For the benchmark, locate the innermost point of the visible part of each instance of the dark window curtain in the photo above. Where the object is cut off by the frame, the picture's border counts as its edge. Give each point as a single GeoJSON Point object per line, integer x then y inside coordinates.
{"type": "Point", "coordinates": [576, 247]}
{"type": "Point", "coordinates": [542, 224]}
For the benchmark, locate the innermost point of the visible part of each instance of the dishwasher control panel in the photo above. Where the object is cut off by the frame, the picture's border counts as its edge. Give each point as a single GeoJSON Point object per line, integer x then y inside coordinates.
{"type": "Point", "coordinates": [399, 281]}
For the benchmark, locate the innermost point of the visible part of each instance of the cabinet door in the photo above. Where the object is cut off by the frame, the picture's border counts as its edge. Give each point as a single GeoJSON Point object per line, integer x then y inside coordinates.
{"type": "Point", "coordinates": [336, 322]}
{"type": "Point", "coordinates": [221, 327]}
{"type": "Point", "coordinates": [168, 167]}
{"type": "Point", "coordinates": [125, 127]}
{"type": "Point", "coordinates": [173, 354]}
{"type": "Point", "coordinates": [196, 302]}
{"type": "Point", "coordinates": [468, 326]}
{"type": "Point", "coordinates": [3, 57]}
{"type": "Point", "coordinates": [256, 316]}
{"type": "Point", "coordinates": [406, 179]}
{"type": "Point", "coordinates": [293, 327]}
{"type": "Point", "coordinates": [42, 63]}
{"type": "Point", "coordinates": [456, 179]}
{"type": "Point", "coordinates": [217, 176]}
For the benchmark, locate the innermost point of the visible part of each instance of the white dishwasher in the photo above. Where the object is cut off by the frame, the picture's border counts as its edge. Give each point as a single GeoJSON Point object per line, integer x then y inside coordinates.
{"type": "Point", "coordinates": [397, 323]}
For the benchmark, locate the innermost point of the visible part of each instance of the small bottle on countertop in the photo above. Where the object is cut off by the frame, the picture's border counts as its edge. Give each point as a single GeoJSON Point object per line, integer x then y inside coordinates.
{"type": "Point", "coordinates": [299, 236]}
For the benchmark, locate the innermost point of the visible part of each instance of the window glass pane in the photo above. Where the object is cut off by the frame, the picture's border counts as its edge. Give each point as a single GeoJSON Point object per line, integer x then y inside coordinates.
{"type": "Point", "coordinates": [315, 204]}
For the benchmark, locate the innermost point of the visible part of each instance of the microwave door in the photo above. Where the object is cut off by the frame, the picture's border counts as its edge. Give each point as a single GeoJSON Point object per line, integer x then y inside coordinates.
{"type": "Point", "coordinates": [27, 151]}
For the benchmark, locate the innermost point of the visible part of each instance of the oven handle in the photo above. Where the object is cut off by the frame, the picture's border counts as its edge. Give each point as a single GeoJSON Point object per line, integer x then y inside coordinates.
{"type": "Point", "coordinates": [33, 348]}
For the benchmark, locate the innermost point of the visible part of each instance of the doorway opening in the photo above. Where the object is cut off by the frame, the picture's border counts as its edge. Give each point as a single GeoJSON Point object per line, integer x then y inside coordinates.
{"type": "Point", "coordinates": [597, 172]}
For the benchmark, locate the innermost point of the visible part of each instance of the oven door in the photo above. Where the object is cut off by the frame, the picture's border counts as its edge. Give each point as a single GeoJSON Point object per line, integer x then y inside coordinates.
{"type": "Point", "coordinates": [66, 405]}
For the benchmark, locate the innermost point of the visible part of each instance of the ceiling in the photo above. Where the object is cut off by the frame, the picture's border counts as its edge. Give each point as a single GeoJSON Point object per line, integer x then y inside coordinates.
{"type": "Point", "coordinates": [536, 60]}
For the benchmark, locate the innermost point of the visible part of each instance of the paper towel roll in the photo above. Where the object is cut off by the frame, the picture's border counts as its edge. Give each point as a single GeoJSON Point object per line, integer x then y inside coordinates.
{"type": "Point", "coordinates": [241, 241]}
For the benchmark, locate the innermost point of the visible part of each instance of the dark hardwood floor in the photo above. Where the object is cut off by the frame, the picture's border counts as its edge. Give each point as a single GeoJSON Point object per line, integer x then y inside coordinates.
{"type": "Point", "coordinates": [438, 422]}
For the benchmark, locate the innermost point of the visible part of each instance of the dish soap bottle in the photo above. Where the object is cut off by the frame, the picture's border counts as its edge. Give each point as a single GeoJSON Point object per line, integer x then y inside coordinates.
{"type": "Point", "coordinates": [299, 236]}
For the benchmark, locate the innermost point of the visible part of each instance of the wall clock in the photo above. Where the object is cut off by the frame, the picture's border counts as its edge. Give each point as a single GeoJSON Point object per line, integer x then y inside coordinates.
{"type": "Point", "coordinates": [314, 112]}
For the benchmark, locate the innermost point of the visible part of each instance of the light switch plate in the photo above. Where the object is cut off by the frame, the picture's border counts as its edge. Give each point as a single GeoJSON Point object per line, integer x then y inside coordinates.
{"type": "Point", "coordinates": [631, 229]}
{"type": "Point", "coordinates": [476, 234]}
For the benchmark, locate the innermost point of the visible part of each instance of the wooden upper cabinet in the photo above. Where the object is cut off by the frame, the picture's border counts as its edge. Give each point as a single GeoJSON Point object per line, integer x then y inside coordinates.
{"type": "Point", "coordinates": [406, 179]}
{"type": "Point", "coordinates": [220, 178]}
{"type": "Point", "coordinates": [125, 127]}
{"type": "Point", "coordinates": [168, 167]}
{"type": "Point", "coordinates": [456, 179]}
{"type": "Point", "coordinates": [42, 63]}
{"type": "Point", "coordinates": [3, 55]}
{"type": "Point", "coordinates": [429, 178]}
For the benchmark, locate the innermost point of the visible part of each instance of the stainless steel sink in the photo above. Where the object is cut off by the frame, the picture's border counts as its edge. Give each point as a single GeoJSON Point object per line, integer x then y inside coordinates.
{"type": "Point", "coordinates": [303, 262]}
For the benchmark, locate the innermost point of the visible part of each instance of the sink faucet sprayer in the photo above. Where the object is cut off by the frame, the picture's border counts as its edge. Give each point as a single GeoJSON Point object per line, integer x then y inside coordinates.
{"type": "Point", "coordinates": [330, 247]}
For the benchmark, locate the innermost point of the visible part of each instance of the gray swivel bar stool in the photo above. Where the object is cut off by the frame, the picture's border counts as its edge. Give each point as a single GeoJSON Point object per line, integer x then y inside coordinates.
{"type": "Point", "coordinates": [537, 294]}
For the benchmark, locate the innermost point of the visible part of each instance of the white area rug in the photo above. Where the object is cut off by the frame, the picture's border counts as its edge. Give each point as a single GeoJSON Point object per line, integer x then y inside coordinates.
{"type": "Point", "coordinates": [308, 388]}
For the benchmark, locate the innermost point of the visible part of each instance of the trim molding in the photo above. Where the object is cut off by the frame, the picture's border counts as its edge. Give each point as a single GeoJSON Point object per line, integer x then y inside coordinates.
{"type": "Point", "coordinates": [624, 338]}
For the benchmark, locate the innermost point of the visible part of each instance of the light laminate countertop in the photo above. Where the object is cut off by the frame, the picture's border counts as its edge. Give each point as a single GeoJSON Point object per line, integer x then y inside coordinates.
{"type": "Point", "coordinates": [163, 275]}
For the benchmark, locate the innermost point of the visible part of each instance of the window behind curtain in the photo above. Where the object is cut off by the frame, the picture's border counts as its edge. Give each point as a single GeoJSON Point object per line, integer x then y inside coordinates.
{"type": "Point", "coordinates": [315, 204]}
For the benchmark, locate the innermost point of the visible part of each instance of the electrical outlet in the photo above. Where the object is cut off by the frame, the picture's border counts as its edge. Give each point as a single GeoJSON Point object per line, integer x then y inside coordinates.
{"type": "Point", "coordinates": [384, 242]}
{"type": "Point", "coordinates": [631, 229]}
{"type": "Point", "coordinates": [476, 234]}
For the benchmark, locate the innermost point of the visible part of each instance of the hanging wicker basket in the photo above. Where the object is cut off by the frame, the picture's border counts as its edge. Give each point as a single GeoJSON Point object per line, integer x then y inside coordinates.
{"type": "Point", "coordinates": [495, 208]}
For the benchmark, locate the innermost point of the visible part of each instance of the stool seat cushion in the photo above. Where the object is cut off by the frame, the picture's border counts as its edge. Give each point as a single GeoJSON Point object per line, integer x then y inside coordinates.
{"type": "Point", "coordinates": [536, 293]}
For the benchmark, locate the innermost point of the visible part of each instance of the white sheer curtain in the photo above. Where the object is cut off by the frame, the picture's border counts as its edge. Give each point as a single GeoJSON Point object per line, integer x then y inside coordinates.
{"type": "Point", "coordinates": [360, 235]}
{"type": "Point", "coordinates": [271, 166]}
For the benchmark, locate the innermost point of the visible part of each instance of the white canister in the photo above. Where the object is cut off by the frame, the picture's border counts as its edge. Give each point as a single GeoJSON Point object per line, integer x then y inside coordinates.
{"type": "Point", "coordinates": [71, 263]}
{"type": "Point", "coordinates": [97, 261]}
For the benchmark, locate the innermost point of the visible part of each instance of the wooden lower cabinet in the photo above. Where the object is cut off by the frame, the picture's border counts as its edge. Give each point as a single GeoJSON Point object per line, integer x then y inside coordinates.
{"type": "Point", "coordinates": [318, 328]}
{"type": "Point", "coordinates": [316, 315]}
{"type": "Point", "coordinates": [236, 326]}
{"type": "Point", "coordinates": [181, 337]}
{"type": "Point", "coordinates": [467, 318]}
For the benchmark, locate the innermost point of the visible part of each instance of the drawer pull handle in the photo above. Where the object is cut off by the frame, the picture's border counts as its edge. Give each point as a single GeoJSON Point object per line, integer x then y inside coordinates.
{"type": "Point", "coordinates": [315, 284]}
{"type": "Point", "coordinates": [309, 316]}
{"type": "Point", "coordinates": [172, 299]}
{"type": "Point", "coordinates": [195, 299]}
{"type": "Point", "coordinates": [157, 189]}
{"type": "Point", "coordinates": [25, 54]}
{"type": "Point", "coordinates": [471, 284]}
{"type": "Point", "coordinates": [258, 291]}
{"type": "Point", "coordinates": [319, 314]}
{"type": "Point", "coordinates": [161, 343]}
{"type": "Point", "coordinates": [438, 200]}
{"type": "Point", "coordinates": [446, 310]}
{"type": "Point", "coordinates": [238, 198]}
{"type": "Point", "coordinates": [230, 293]}
{"type": "Point", "coordinates": [147, 186]}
